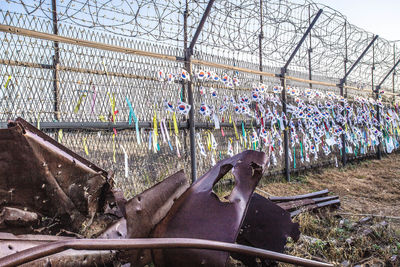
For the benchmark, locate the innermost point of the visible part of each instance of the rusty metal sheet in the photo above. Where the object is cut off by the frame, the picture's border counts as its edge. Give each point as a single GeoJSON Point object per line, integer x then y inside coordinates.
{"type": "Point", "coordinates": [298, 197]}
{"type": "Point", "coordinates": [146, 210]}
{"type": "Point", "coordinates": [296, 204]}
{"type": "Point", "coordinates": [13, 217]}
{"type": "Point", "coordinates": [331, 203]}
{"type": "Point", "coordinates": [199, 213]}
{"type": "Point", "coordinates": [265, 226]}
{"type": "Point", "coordinates": [11, 244]}
{"type": "Point", "coordinates": [39, 175]}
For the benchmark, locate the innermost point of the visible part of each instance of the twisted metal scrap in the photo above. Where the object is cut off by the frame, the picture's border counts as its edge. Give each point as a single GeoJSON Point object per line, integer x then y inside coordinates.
{"type": "Point", "coordinates": [199, 213]}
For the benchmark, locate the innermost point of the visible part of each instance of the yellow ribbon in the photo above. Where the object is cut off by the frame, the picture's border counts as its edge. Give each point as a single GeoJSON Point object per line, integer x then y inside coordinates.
{"type": "Point", "coordinates": [209, 140]}
{"type": "Point", "coordinates": [175, 124]}
{"type": "Point", "coordinates": [230, 119]}
{"type": "Point", "coordinates": [155, 132]}
{"type": "Point", "coordinates": [60, 135]}
{"type": "Point", "coordinates": [236, 132]}
{"type": "Point", "coordinates": [76, 109]}
{"type": "Point", "coordinates": [7, 82]}
{"type": "Point", "coordinates": [101, 117]}
{"type": "Point", "coordinates": [85, 146]}
{"type": "Point", "coordinates": [155, 123]}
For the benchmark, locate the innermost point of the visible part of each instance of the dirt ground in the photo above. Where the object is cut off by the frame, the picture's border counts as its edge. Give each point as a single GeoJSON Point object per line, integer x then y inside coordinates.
{"type": "Point", "coordinates": [367, 188]}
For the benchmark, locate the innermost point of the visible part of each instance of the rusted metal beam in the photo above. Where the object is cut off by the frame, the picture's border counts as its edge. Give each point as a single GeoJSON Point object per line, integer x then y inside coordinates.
{"type": "Point", "coordinates": [297, 204]}
{"type": "Point", "coordinates": [149, 243]}
{"type": "Point", "coordinates": [335, 202]}
{"type": "Point", "coordinates": [298, 197]}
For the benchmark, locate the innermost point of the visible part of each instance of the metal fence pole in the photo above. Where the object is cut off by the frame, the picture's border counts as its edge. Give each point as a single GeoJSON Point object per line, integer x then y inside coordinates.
{"type": "Point", "coordinates": [183, 92]}
{"type": "Point", "coordinates": [56, 62]}
{"type": "Point", "coordinates": [188, 66]}
{"type": "Point", "coordinates": [378, 117]}
{"type": "Point", "coordinates": [310, 48]}
{"type": "Point", "coordinates": [282, 76]}
{"type": "Point", "coordinates": [341, 86]}
{"type": "Point", "coordinates": [260, 37]}
{"type": "Point", "coordinates": [344, 156]}
{"type": "Point", "coordinates": [394, 72]}
{"type": "Point", "coordinates": [285, 131]}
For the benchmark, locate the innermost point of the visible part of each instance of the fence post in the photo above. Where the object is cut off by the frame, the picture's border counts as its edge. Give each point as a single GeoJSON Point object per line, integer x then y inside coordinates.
{"type": "Point", "coordinates": [344, 156]}
{"type": "Point", "coordinates": [282, 76]}
{"type": "Point", "coordinates": [310, 48]}
{"type": "Point", "coordinates": [378, 117]}
{"type": "Point", "coordinates": [56, 62]}
{"type": "Point", "coordinates": [183, 91]}
{"type": "Point", "coordinates": [341, 86]}
{"type": "Point", "coordinates": [285, 130]}
{"type": "Point", "coordinates": [260, 37]}
{"type": "Point", "coordinates": [188, 66]}
{"type": "Point", "coordinates": [394, 72]}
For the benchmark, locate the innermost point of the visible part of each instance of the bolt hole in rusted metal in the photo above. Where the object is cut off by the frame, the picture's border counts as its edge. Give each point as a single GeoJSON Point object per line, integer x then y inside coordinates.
{"type": "Point", "coordinates": [10, 247]}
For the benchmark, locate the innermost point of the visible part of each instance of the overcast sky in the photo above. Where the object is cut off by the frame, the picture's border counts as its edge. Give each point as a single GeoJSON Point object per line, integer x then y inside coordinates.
{"type": "Point", "coordinates": [380, 17]}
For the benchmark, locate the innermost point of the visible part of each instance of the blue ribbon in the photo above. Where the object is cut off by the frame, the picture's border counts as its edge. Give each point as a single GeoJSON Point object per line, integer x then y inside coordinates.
{"type": "Point", "coordinates": [133, 115]}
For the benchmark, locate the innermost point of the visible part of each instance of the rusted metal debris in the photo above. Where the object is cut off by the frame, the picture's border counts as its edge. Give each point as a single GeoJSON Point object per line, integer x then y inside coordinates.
{"type": "Point", "coordinates": [147, 209]}
{"type": "Point", "coordinates": [266, 226]}
{"type": "Point", "coordinates": [199, 213]}
{"type": "Point", "coordinates": [154, 243]}
{"type": "Point", "coordinates": [307, 202]}
{"type": "Point", "coordinates": [11, 244]}
{"type": "Point", "coordinates": [41, 178]}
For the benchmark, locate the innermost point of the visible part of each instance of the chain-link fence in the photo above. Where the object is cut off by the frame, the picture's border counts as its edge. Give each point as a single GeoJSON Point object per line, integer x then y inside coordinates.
{"type": "Point", "coordinates": [95, 75]}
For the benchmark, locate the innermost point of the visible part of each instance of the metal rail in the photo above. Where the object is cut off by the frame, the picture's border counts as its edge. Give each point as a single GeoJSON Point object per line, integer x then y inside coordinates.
{"type": "Point", "coordinates": [148, 243]}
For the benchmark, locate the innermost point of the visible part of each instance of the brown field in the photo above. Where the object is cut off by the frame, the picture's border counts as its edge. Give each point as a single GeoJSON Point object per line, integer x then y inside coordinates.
{"type": "Point", "coordinates": [368, 188]}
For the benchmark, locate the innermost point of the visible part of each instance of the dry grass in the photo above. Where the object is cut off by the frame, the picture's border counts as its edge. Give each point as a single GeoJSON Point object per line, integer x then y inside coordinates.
{"type": "Point", "coordinates": [369, 187]}
{"type": "Point", "coordinates": [339, 240]}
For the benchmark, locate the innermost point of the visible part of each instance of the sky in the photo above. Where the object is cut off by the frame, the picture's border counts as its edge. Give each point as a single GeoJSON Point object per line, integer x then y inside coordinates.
{"type": "Point", "coordinates": [377, 16]}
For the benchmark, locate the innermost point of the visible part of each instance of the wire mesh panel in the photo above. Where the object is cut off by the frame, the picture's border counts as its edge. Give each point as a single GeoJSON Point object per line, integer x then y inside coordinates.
{"type": "Point", "coordinates": [114, 88]}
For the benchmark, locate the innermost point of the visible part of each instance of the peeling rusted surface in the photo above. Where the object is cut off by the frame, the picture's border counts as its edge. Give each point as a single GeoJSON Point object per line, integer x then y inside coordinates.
{"type": "Point", "coordinates": [298, 197]}
{"type": "Point", "coordinates": [296, 204]}
{"type": "Point", "coordinates": [265, 226]}
{"type": "Point", "coordinates": [39, 175]}
{"type": "Point", "coordinates": [12, 217]}
{"type": "Point", "coordinates": [146, 210]}
{"type": "Point", "coordinates": [199, 213]}
{"type": "Point", "coordinates": [11, 244]}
